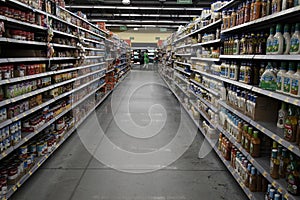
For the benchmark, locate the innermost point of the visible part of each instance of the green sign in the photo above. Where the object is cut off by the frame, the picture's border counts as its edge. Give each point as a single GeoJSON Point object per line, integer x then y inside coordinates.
{"type": "Point", "coordinates": [163, 29]}
{"type": "Point", "coordinates": [157, 38]}
{"type": "Point", "coordinates": [131, 38]}
{"type": "Point", "coordinates": [184, 1]}
{"type": "Point", "coordinates": [123, 28]}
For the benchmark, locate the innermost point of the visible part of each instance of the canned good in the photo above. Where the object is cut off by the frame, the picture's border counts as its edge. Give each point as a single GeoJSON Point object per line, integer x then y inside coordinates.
{"type": "Point", "coordinates": [23, 150]}
{"type": "Point", "coordinates": [39, 149]}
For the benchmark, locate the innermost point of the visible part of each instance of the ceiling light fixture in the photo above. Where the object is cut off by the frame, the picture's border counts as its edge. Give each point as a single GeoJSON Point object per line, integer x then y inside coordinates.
{"type": "Point", "coordinates": [126, 2]}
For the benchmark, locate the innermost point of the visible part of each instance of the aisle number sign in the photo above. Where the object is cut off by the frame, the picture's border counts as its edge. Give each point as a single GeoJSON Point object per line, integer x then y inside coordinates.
{"type": "Point", "coordinates": [184, 1]}
{"type": "Point", "coordinates": [131, 38]}
{"type": "Point", "coordinates": [157, 38]}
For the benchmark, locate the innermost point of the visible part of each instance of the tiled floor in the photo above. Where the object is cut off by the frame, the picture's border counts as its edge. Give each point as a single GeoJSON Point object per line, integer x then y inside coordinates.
{"type": "Point", "coordinates": [147, 147]}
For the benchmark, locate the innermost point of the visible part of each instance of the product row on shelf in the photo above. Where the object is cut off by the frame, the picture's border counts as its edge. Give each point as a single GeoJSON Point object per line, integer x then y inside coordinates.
{"type": "Point", "coordinates": [55, 69]}
{"type": "Point", "coordinates": [238, 80]}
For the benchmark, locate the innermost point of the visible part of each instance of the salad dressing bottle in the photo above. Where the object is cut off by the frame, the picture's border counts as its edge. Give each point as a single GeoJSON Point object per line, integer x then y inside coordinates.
{"type": "Point", "coordinates": [295, 41]}
{"type": "Point", "coordinates": [280, 77]}
{"type": "Point", "coordinates": [270, 41]}
{"type": "Point", "coordinates": [295, 80]}
{"type": "Point", "coordinates": [287, 78]}
{"type": "Point", "coordinates": [278, 41]}
{"type": "Point", "coordinates": [287, 39]}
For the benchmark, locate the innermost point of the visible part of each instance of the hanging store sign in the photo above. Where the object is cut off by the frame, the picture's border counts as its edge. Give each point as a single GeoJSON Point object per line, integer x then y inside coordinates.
{"type": "Point", "coordinates": [184, 1]}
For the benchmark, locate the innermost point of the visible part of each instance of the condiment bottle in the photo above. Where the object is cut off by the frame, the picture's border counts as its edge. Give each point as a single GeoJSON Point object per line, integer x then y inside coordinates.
{"type": "Point", "coordinates": [240, 132]}
{"type": "Point", "coordinates": [242, 72]}
{"type": "Point", "coordinates": [264, 11]}
{"type": "Point", "coordinates": [243, 45]}
{"type": "Point", "coordinates": [293, 180]}
{"type": "Point", "coordinates": [253, 180]}
{"type": "Point", "coordinates": [220, 141]}
{"type": "Point", "coordinates": [282, 114]}
{"type": "Point", "coordinates": [270, 41]}
{"type": "Point", "coordinates": [274, 168]}
{"type": "Point", "coordinates": [268, 79]}
{"type": "Point", "coordinates": [268, 192]}
{"type": "Point", "coordinates": [272, 194]}
{"type": "Point", "coordinates": [290, 126]}
{"type": "Point", "coordinates": [248, 139]}
{"type": "Point", "coordinates": [236, 46]}
{"type": "Point", "coordinates": [295, 41]}
{"type": "Point", "coordinates": [280, 77]}
{"type": "Point", "coordinates": [252, 10]}
{"type": "Point", "coordinates": [278, 41]}
{"type": "Point", "coordinates": [287, 39]}
{"type": "Point", "coordinates": [257, 9]}
{"type": "Point", "coordinates": [255, 145]}
{"type": "Point", "coordinates": [233, 18]}
{"type": "Point", "coordinates": [258, 181]}
{"type": "Point", "coordinates": [244, 135]}
{"type": "Point", "coordinates": [248, 73]}
{"type": "Point", "coordinates": [247, 11]}
{"type": "Point", "coordinates": [247, 174]}
{"type": "Point", "coordinates": [295, 80]}
{"type": "Point", "coordinates": [283, 163]}
{"type": "Point", "coordinates": [288, 78]}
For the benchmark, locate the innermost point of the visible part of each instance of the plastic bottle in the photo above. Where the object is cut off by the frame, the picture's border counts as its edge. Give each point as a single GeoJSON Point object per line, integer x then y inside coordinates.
{"type": "Point", "coordinates": [274, 168]}
{"type": "Point", "coordinates": [248, 139]}
{"type": "Point", "coordinates": [247, 11]}
{"type": "Point", "coordinates": [252, 10]}
{"type": "Point", "coordinates": [280, 77]}
{"type": "Point", "coordinates": [282, 114]}
{"type": "Point", "coordinates": [264, 8]}
{"type": "Point", "coordinates": [295, 80]}
{"type": "Point", "coordinates": [295, 41]}
{"type": "Point", "coordinates": [287, 78]}
{"type": "Point", "coordinates": [253, 180]}
{"type": "Point", "coordinates": [236, 46]}
{"type": "Point", "coordinates": [255, 145]}
{"type": "Point", "coordinates": [290, 126]}
{"type": "Point", "coordinates": [268, 79]}
{"type": "Point", "coordinates": [270, 41]}
{"type": "Point", "coordinates": [287, 39]}
{"type": "Point", "coordinates": [257, 10]}
{"type": "Point", "coordinates": [278, 41]}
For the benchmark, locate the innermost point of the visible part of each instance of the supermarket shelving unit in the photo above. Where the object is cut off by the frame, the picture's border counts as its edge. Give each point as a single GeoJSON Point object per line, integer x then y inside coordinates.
{"type": "Point", "coordinates": [180, 77]}
{"type": "Point", "coordinates": [81, 92]}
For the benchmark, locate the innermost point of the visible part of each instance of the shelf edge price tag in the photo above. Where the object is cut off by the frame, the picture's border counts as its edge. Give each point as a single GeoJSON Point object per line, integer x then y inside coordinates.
{"type": "Point", "coordinates": [291, 147]}
{"type": "Point", "coordinates": [265, 173]}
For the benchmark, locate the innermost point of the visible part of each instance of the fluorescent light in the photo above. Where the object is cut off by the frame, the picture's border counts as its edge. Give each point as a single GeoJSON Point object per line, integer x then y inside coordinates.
{"type": "Point", "coordinates": [140, 21]}
{"type": "Point", "coordinates": [133, 8]}
{"type": "Point", "coordinates": [142, 15]}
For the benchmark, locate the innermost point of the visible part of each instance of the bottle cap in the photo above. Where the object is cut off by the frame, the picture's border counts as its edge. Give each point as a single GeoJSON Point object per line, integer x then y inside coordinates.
{"type": "Point", "coordinates": [253, 170]}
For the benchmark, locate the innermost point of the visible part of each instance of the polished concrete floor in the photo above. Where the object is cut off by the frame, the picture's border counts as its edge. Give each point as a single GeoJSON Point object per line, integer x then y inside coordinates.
{"type": "Point", "coordinates": [138, 145]}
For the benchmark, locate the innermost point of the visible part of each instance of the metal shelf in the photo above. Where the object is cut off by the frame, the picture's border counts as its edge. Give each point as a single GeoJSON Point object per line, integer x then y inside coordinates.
{"type": "Point", "coordinates": [94, 41]}
{"type": "Point", "coordinates": [207, 43]}
{"type": "Point", "coordinates": [18, 22]}
{"type": "Point", "coordinates": [181, 78]}
{"type": "Point", "coordinates": [264, 22]}
{"type": "Point", "coordinates": [181, 63]}
{"type": "Point", "coordinates": [93, 57]}
{"type": "Point", "coordinates": [65, 34]}
{"type": "Point", "coordinates": [229, 4]}
{"type": "Point", "coordinates": [184, 54]}
{"type": "Point", "coordinates": [210, 26]}
{"type": "Point", "coordinates": [184, 46]}
{"type": "Point", "coordinates": [64, 46]}
{"type": "Point", "coordinates": [277, 57]}
{"type": "Point", "coordinates": [205, 88]}
{"type": "Point", "coordinates": [206, 59]}
{"type": "Point", "coordinates": [237, 56]}
{"type": "Point", "coordinates": [268, 128]}
{"type": "Point", "coordinates": [203, 115]}
{"type": "Point", "coordinates": [182, 70]}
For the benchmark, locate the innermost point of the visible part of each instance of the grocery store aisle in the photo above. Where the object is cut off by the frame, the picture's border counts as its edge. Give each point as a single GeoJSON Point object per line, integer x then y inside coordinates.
{"type": "Point", "coordinates": [73, 172]}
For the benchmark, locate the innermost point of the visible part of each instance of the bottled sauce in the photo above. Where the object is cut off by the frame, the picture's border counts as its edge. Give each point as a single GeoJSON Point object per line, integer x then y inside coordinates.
{"type": "Point", "coordinates": [261, 70]}
{"type": "Point", "coordinates": [252, 9]}
{"type": "Point", "coordinates": [274, 164]}
{"type": "Point", "coordinates": [253, 180]}
{"type": "Point", "coordinates": [286, 4]}
{"type": "Point", "coordinates": [290, 126]}
{"type": "Point", "coordinates": [258, 182]}
{"type": "Point", "coordinates": [236, 46]}
{"type": "Point", "coordinates": [282, 114]}
{"type": "Point", "coordinates": [257, 9]}
{"type": "Point", "coordinates": [287, 39]}
{"type": "Point", "coordinates": [245, 129]}
{"type": "Point", "coordinates": [247, 10]}
{"type": "Point", "coordinates": [242, 72]}
{"type": "Point", "coordinates": [264, 11]}
{"type": "Point", "coordinates": [295, 41]}
{"type": "Point", "coordinates": [278, 41]}
{"type": "Point", "coordinates": [268, 79]}
{"type": "Point", "coordinates": [283, 163]}
{"type": "Point", "coordinates": [287, 78]}
{"type": "Point", "coordinates": [233, 18]}
{"type": "Point", "coordinates": [255, 145]}
{"type": "Point", "coordinates": [248, 139]}
{"type": "Point", "coordinates": [248, 73]}
{"type": "Point", "coordinates": [295, 80]}
{"type": "Point", "coordinates": [270, 41]}
{"type": "Point", "coordinates": [261, 44]}
{"type": "Point", "coordinates": [268, 192]}
{"type": "Point", "coordinates": [220, 142]}
{"type": "Point", "coordinates": [243, 45]}
{"type": "Point", "coordinates": [277, 197]}
{"type": "Point", "coordinates": [293, 182]}
{"type": "Point", "coordinates": [252, 44]}
{"type": "Point", "coordinates": [247, 175]}
{"type": "Point", "coordinates": [240, 131]}
{"type": "Point", "coordinates": [280, 77]}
